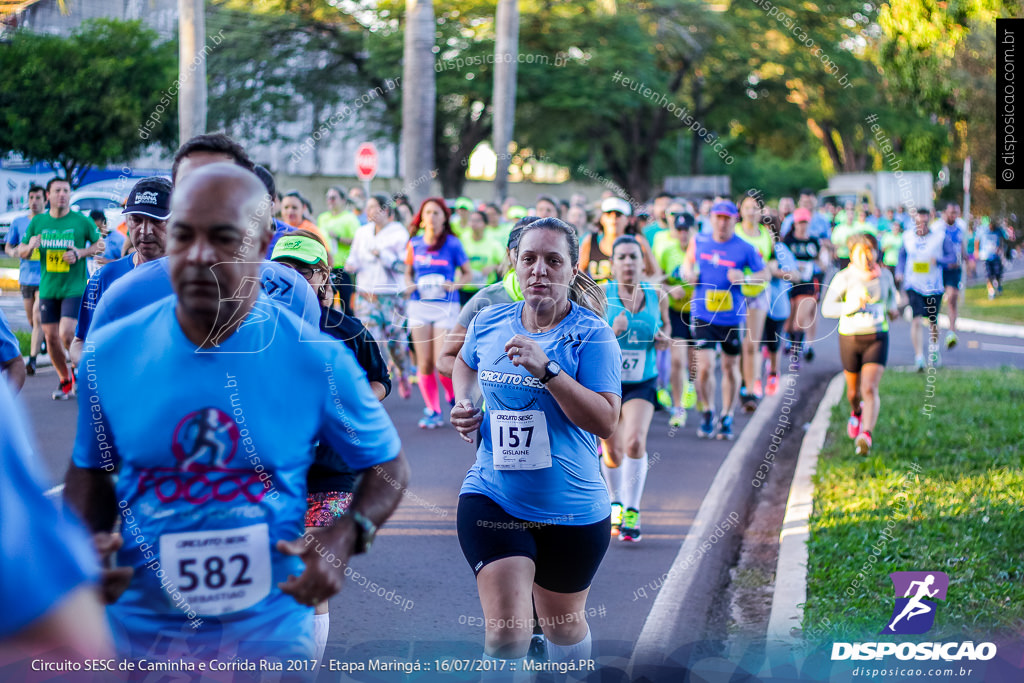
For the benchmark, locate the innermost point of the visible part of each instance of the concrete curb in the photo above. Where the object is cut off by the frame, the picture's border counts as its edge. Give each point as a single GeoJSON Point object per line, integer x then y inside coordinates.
{"type": "Point", "coordinates": [791, 571]}
{"type": "Point", "coordinates": [692, 581]}
{"type": "Point", "coordinates": [983, 327]}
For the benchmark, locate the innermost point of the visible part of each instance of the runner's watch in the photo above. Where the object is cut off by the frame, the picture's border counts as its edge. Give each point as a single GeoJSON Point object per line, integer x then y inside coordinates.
{"type": "Point", "coordinates": [366, 531]}
{"type": "Point", "coordinates": [551, 371]}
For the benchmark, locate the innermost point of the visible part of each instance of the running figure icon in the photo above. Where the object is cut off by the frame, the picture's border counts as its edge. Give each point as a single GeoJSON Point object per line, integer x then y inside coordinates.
{"type": "Point", "coordinates": [916, 596]}
{"type": "Point", "coordinates": [915, 606]}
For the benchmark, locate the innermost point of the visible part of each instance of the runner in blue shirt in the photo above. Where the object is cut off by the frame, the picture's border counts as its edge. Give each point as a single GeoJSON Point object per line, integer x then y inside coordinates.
{"type": "Point", "coordinates": [146, 213]}
{"type": "Point", "coordinates": [955, 250]}
{"type": "Point", "coordinates": [48, 568]}
{"type": "Point", "coordinates": [436, 268]}
{"type": "Point", "coordinates": [638, 317]}
{"type": "Point", "coordinates": [533, 515]}
{"type": "Point", "coordinates": [211, 489]}
{"type": "Point", "coordinates": [715, 264]}
{"type": "Point", "coordinates": [29, 270]}
{"type": "Point", "coordinates": [12, 365]}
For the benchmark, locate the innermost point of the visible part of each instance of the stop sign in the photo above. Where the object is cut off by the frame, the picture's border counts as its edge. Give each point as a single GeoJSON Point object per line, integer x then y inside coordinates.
{"type": "Point", "coordinates": [366, 161]}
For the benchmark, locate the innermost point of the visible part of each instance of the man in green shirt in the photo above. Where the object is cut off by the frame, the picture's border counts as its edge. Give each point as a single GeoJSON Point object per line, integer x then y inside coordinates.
{"type": "Point", "coordinates": [61, 236]}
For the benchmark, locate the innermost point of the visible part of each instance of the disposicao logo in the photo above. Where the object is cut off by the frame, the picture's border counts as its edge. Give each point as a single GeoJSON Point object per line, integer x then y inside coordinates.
{"type": "Point", "coordinates": [914, 614]}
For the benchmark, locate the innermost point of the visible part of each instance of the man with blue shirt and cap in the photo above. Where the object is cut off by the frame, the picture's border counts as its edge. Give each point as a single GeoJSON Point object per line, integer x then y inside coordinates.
{"type": "Point", "coordinates": [210, 490]}
{"type": "Point", "coordinates": [146, 213]}
{"type": "Point", "coordinates": [718, 263]}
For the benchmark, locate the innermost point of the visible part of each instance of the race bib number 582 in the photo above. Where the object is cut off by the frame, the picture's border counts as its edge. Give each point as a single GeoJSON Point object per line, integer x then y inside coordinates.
{"type": "Point", "coordinates": [221, 571]}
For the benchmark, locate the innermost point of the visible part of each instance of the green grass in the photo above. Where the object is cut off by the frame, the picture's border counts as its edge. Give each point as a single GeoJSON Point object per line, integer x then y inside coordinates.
{"type": "Point", "coordinates": [7, 261]}
{"type": "Point", "coordinates": [950, 487]}
{"type": "Point", "coordinates": [24, 341]}
{"type": "Point", "coordinates": [1007, 308]}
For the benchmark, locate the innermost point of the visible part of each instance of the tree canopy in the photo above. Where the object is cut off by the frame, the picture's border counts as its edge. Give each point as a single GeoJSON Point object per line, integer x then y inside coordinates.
{"type": "Point", "coordinates": [83, 101]}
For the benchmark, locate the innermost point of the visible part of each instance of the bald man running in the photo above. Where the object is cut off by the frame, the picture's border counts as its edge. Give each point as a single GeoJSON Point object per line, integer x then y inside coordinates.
{"type": "Point", "coordinates": [214, 533]}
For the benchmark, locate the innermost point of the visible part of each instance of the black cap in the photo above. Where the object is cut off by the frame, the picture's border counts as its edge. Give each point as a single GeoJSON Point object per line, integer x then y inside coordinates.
{"type": "Point", "coordinates": [150, 197]}
{"type": "Point", "coordinates": [685, 221]}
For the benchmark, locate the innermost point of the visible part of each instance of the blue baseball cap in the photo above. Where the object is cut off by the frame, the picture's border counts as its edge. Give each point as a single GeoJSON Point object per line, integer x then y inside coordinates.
{"type": "Point", "coordinates": [725, 208]}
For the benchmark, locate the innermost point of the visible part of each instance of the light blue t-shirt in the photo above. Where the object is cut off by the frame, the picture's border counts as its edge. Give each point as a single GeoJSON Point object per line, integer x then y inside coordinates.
{"type": "Point", "coordinates": [29, 270]}
{"type": "Point", "coordinates": [716, 300]}
{"type": "Point", "coordinates": [571, 491]}
{"type": "Point", "coordinates": [213, 469]}
{"type": "Point", "coordinates": [637, 342]}
{"type": "Point", "coordinates": [44, 551]}
{"type": "Point", "coordinates": [98, 283]}
{"type": "Point", "coordinates": [778, 289]}
{"type": "Point", "coordinates": [152, 281]}
{"type": "Point", "coordinates": [9, 347]}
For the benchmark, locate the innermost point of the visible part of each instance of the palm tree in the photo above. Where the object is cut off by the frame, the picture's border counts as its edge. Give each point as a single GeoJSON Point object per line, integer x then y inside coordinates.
{"type": "Point", "coordinates": [191, 73]}
{"type": "Point", "coordinates": [506, 50]}
{"type": "Point", "coordinates": [418, 100]}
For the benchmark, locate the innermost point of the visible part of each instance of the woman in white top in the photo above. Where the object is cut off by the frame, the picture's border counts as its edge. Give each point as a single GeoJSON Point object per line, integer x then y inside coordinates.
{"type": "Point", "coordinates": [377, 262]}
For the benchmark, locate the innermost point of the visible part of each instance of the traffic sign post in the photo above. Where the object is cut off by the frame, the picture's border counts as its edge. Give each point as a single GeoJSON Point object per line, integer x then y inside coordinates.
{"type": "Point", "coordinates": [366, 164]}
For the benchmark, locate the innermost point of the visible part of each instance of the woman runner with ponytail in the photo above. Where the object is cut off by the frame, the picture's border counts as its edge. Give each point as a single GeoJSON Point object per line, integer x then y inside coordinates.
{"type": "Point", "coordinates": [639, 318]}
{"type": "Point", "coordinates": [534, 514]}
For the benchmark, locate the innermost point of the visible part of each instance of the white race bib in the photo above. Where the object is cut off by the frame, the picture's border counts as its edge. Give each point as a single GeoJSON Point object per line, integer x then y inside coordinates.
{"type": "Point", "coordinates": [221, 571]}
{"type": "Point", "coordinates": [431, 287]}
{"type": "Point", "coordinates": [519, 440]}
{"type": "Point", "coordinates": [633, 365]}
{"type": "Point", "coordinates": [806, 270]}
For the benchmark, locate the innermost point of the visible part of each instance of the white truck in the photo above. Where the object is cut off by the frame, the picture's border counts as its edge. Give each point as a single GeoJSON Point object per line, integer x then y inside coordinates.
{"type": "Point", "coordinates": [914, 189]}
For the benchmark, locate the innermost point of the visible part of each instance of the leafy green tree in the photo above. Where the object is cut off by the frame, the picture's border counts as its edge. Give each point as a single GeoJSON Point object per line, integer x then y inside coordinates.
{"type": "Point", "coordinates": [99, 96]}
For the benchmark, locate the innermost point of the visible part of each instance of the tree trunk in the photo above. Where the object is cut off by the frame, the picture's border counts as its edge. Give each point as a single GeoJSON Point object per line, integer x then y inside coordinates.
{"type": "Point", "coordinates": [191, 69]}
{"type": "Point", "coordinates": [506, 50]}
{"type": "Point", "coordinates": [419, 101]}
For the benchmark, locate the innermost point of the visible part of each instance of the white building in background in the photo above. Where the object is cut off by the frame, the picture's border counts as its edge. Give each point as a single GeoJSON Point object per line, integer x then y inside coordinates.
{"type": "Point", "coordinates": [332, 154]}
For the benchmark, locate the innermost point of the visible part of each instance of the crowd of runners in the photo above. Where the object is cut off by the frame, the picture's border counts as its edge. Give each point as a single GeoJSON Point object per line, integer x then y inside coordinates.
{"type": "Point", "coordinates": [225, 504]}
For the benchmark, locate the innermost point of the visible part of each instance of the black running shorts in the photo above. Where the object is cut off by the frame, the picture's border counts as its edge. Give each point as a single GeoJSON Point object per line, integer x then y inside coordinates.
{"type": "Point", "coordinates": [566, 557]}
{"type": "Point", "coordinates": [924, 305]}
{"type": "Point", "coordinates": [680, 321]}
{"type": "Point", "coordinates": [52, 310]}
{"type": "Point", "coordinates": [645, 391]}
{"type": "Point", "coordinates": [857, 350]}
{"type": "Point", "coordinates": [707, 336]}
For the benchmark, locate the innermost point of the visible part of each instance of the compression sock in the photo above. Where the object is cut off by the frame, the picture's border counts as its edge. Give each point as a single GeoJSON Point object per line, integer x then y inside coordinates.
{"type": "Point", "coordinates": [428, 387]}
{"type": "Point", "coordinates": [613, 477]}
{"type": "Point", "coordinates": [449, 390]}
{"type": "Point", "coordinates": [634, 475]}
{"type": "Point", "coordinates": [321, 627]}
{"type": "Point", "coordinates": [569, 653]}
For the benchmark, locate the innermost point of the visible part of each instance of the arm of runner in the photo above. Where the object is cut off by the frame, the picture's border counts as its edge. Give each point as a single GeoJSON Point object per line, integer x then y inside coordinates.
{"type": "Point", "coordinates": [689, 263]}
{"type": "Point", "coordinates": [832, 303]}
{"type": "Point", "coordinates": [380, 490]}
{"type": "Point", "coordinates": [11, 363]}
{"type": "Point", "coordinates": [28, 244]}
{"type": "Point", "coordinates": [661, 339]}
{"type": "Point", "coordinates": [651, 268]}
{"type": "Point", "coordinates": [450, 351]}
{"type": "Point", "coordinates": [466, 416]}
{"type": "Point", "coordinates": [463, 278]}
{"type": "Point", "coordinates": [595, 412]}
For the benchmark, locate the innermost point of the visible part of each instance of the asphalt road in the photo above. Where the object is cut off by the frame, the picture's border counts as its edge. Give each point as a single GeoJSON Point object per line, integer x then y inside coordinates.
{"type": "Point", "coordinates": [422, 603]}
